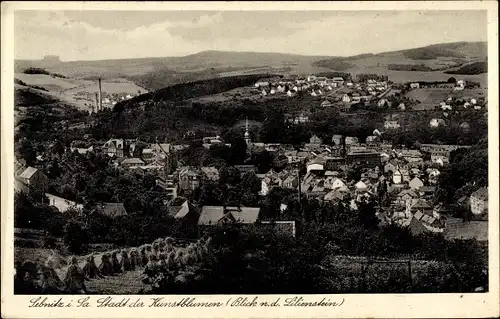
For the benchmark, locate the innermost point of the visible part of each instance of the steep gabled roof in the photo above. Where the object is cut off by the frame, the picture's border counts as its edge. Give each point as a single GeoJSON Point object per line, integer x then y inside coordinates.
{"type": "Point", "coordinates": [421, 204]}
{"type": "Point", "coordinates": [132, 161]}
{"type": "Point", "coordinates": [416, 227]}
{"type": "Point", "coordinates": [211, 215]}
{"type": "Point", "coordinates": [179, 211]}
{"type": "Point", "coordinates": [113, 209]}
{"type": "Point", "coordinates": [28, 172]}
{"type": "Point", "coordinates": [481, 193]}
{"type": "Point", "coordinates": [425, 189]}
{"type": "Point", "coordinates": [409, 192]}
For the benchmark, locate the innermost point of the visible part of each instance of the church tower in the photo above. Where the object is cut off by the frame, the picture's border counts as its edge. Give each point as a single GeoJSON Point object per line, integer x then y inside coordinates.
{"type": "Point", "coordinates": [247, 133]}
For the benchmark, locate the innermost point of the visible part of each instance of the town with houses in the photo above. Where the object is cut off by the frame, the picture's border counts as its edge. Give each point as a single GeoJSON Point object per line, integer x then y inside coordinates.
{"type": "Point", "coordinates": [402, 181]}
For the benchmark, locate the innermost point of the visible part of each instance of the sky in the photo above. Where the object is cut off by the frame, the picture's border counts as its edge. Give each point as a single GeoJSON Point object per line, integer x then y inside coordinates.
{"type": "Point", "coordinates": [99, 35]}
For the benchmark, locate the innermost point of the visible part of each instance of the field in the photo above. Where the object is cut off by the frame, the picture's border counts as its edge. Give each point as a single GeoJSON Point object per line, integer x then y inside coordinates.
{"type": "Point", "coordinates": [357, 274]}
{"type": "Point", "coordinates": [429, 97]}
{"type": "Point", "coordinates": [124, 283]}
{"type": "Point", "coordinates": [66, 89]}
{"type": "Point", "coordinates": [241, 92]}
{"type": "Point", "coordinates": [471, 94]}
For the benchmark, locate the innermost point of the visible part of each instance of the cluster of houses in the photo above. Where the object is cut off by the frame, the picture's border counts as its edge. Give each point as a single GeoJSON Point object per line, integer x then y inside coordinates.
{"type": "Point", "coordinates": [291, 86]}
{"type": "Point", "coordinates": [337, 92]}
{"type": "Point", "coordinates": [448, 105]}
{"type": "Point", "coordinates": [108, 100]}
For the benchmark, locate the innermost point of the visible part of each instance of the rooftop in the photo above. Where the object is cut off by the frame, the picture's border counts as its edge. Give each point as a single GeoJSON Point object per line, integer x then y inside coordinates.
{"type": "Point", "coordinates": [28, 172]}
{"type": "Point", "coordinates": [211, 215]}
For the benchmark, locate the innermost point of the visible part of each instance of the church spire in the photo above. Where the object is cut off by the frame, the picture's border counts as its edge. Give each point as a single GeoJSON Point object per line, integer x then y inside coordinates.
{"type": "Point", "coordinates": [247, 133]}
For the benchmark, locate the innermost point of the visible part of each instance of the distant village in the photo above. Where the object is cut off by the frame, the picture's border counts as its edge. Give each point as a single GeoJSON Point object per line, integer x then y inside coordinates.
{"type": "Point", "coordinates": [101, 100]}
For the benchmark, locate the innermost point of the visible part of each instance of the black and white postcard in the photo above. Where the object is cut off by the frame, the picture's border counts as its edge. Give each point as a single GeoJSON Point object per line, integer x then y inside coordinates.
{"type": "Point", "coordinates": [250, 159]}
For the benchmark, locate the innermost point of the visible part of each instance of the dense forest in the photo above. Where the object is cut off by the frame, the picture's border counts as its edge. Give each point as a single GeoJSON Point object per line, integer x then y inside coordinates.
{"type": "Point", "coordinates": [471, 69]}
{"type": "Point", "coordinates": [337, 64]}
{"type": "Point", "coordinates": [189, 90]}
{"type": "Point", "coordinates": [30, 97]}
{"type": "Point", "coordinates": [32, 70]}
{"type": "Point", "coordinates": [409, 67]}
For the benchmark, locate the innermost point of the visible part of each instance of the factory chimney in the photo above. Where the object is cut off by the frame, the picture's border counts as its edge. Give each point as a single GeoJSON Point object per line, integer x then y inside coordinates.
{"type": "Point", "coordinates": [100, 95]}
{"type": "Point", "coordinates": [95, 107]}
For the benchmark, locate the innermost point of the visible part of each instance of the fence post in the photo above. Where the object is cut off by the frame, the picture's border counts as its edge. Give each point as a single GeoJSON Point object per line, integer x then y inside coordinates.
{"type": "Point", "coordinates": [409, 274]}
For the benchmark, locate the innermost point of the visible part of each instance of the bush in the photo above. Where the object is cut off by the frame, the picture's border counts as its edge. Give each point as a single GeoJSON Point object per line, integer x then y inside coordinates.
{"type": "Point", "coordinates": [49, 242]}
{"type": "Point", "coordinates": [36, 71]}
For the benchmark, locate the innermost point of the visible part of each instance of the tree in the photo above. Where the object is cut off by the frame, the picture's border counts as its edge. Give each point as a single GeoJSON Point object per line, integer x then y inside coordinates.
{"type": "Point", "coordinates": [26, 150]}
{"type": "Point", "coordinates": [367, 215]}
{"type": "Point", "coordinates": [354, 173]}
{"type": "Point", "coordinates": [238, 151]}
{"type": "Point", "coordinates": [229, 175]}
{"type": "Point", "coordinates": [23, 210]}
{"type": "Point", "coordinates": [452, 80]}
{"type": "Point", "coordinates": [75, 236]}
{"type": "Point", "coordinates": [263, 161]}
{"type": "Point", "coordinates": [58, 147]}
{"type": "Point", "coordinates": [250, 182]}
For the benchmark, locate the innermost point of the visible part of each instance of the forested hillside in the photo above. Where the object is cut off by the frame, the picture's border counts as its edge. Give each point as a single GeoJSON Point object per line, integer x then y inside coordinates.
{"type": "Point", "coordinates": [473, 68]}
{"type": "Point", "coordinates": [189, 90]}
{"type": "Point", "coordinates": [467, 172]}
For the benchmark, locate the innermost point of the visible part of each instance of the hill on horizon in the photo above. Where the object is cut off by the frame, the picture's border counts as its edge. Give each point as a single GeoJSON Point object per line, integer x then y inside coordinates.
{"type": "Point", "coordinates": [157, 72]}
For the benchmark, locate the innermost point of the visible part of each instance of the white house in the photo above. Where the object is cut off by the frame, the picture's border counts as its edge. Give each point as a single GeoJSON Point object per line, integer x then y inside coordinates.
{"type": "Point", "coordinates": [381, 102]}
{"type": "Point", "coordinates": [433, 173]}
{"type": "Point", "coordinates": [315, 166]}
{"type": "Point", "coordinates": [437, 123]}
{"type": "Point", "coordinates": [338, 184]}
{"type": "Point", "coordinates": [440, 160]}
{"type": "Point", "coordinates": [397, 177]}
{"type": "Point", "coordinates": [416, 183]}
{"type": "Point", "coordinates": [479, 201]}
{"type": "Point", "coordinates": [346, 98]}
{"type": "Point", "coordinates": [62, 204]}
{"type": "Point", "coordinates": [261, 84]}
{"type": "Point", "coordinates": [360, 186]}
{"type": "Point", "coordinates": [391, 125]}
{"type": "Point", "coordinates": [326, 103]}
